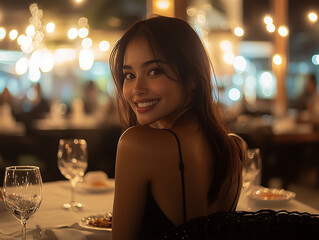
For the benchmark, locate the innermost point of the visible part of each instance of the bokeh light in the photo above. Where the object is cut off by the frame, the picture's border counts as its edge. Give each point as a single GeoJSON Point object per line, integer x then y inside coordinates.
{"type": "Point", "coordinates": [13, 34]}
{"type": "Point", "coordinates": [313, 17]}
{"type": "Point", "coordinates": [240, 64]}
{"type": "Point", "coordinates": [50, 27]}
{"type": "Point", "coordinates": [73, 33]}
{"type": "Point", "coordinates": [2, 33]}
{"type": "Point", "coordinates": [283, 31]}
{"type": "Point", "coordinates": [104, 46]}
{"type": "Point", "coordinates": [239, 32]}
{"type": "Point", "coordinates": [162, 4]}
{"type": "Point", "coordinates": [277, 59]}
{"type": "Point", "coordinates": [268, 20]}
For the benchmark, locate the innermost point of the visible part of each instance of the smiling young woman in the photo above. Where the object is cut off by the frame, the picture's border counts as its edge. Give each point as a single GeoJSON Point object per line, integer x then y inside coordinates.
{"type": "Point", "coordinates": [175, 161]}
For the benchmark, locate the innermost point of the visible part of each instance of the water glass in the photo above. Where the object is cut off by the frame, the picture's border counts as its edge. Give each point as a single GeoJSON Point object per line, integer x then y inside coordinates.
{"type": "Point", "coordinates": [22, 192]}
{"type": "Point", "coordinates": [252, 169]}
{"type": "Point", "coordinates": [72, 163]}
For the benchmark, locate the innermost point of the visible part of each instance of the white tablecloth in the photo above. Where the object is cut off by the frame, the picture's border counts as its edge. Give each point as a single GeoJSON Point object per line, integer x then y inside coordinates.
{"type": "Point", "coordinates": [50, 214]}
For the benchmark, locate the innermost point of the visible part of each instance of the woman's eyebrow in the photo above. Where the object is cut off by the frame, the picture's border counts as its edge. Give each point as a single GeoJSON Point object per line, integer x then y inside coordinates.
{"type": "Point", "coordinates": [157, 61]}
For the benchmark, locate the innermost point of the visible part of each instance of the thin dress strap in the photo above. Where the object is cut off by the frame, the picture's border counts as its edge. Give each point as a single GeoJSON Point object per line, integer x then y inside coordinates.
{"type": "Point", "coordinates": [181, 167]}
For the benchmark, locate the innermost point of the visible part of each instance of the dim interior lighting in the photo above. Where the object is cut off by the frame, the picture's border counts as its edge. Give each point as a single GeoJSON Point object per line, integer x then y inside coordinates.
{"type": "Point", "coordinates": [240, 64]}
{"type": "Point", "coordinates": [104, 46]}
{"type": "Point", "coordinates": [277, 59]}
{"type": "Point", "coordinates": [73, 33]}
{"type": "Point", "coordinates": [50, 27]}
{"type": "Point", "coordinates": [234, 94]}
{"type": "Point", "coordinates": [2, 33]}
{"type": "Point", "coordinates": [78, 1]}
{"type": "Point", "coordinates": [30, 30]}
{"type": "Point", "coordinates": [283, 31]}
{"type": "Point", "coordinates": [268, 20]}
{"type": "Point", "coordinates": [87, 42]}
{"type": "Point", "coordinates": [270, 28]}
{"type": "Point", "coordinates": [13, 34]}
{"type": "Point", "coordinates": [239, 32]}
{"type": "Point", "coordinates": [83, 32]}
{"type": "Point", "coordinates": [313, 17]}
{"type": "Point", "coordinates": [162, 4]}
{"type": "Point", "coordinates": [315, 59]}
{"type": "Point", "coordinates": [21, 66]}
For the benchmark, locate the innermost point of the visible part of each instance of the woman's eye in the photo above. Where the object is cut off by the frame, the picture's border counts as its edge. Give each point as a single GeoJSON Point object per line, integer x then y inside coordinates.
{"type": "Point", "coordinates": [128, 76]}
{"type": "Point", "coordinates": [155, 72]}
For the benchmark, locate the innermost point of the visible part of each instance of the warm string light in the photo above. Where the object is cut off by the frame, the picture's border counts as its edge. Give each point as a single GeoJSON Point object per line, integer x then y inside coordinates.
{"type": "Point", "coordinates": [313, 17]}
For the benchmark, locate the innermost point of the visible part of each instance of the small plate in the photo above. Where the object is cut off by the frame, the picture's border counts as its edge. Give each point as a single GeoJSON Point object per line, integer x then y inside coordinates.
{"type": "Point", "coordinates": [86, 222]}
{"type": "Point", "coordinates": [100, 186]}
{"type": "Point", "coordinates": [271, 195]}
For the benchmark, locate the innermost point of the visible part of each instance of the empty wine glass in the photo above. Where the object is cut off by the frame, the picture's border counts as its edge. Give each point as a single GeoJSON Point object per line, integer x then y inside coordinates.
{"type": "Point", "coordinates": [22, 192]}
{"type": "Point", "coordinates": [72, 162]}
{"type": "Point", "coordinates": [252, 169]}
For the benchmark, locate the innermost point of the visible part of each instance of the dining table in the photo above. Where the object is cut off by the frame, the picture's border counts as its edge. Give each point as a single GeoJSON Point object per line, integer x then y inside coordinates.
{"type": "Point", "coordinates": [52, 222]}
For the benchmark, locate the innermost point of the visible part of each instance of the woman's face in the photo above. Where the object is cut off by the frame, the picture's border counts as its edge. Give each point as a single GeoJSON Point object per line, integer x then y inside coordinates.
{"type": "Point", "coordinates": [152, 95]}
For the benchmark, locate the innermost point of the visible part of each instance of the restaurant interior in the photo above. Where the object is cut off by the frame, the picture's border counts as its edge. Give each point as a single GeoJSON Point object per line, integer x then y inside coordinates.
{"type": "Point", "coordinates": [55, 80]}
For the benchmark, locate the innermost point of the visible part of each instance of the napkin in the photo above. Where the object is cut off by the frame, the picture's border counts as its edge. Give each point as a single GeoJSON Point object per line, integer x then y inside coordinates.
{"type": "Point", "coordinates": [58, 234]}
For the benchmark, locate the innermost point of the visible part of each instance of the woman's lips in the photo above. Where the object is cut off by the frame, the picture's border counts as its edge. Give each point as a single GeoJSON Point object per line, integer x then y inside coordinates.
{"type": "Point", "coordinates": [144, 106]}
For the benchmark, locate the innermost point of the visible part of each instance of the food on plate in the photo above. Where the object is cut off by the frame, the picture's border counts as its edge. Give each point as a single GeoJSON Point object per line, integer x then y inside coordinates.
{"type": "Point", "coordinates": [270, 195]}
{"type": "Point", "coordinates": [99, 184]}
{"type": "Point", "coordinates": [102, 222]}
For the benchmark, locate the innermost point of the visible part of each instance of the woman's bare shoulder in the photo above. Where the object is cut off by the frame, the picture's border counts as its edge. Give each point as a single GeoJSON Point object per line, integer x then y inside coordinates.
{"type": "Point", "coordinates": [145, 140]}
{"type": "Point", "coordinates": [142, 133]}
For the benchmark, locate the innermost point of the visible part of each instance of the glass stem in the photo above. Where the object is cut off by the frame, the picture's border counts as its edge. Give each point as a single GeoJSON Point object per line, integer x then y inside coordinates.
{"type": "Point", "coordinates": [23, 228]}
{"type": "Point", "coordinates": [73, 184]}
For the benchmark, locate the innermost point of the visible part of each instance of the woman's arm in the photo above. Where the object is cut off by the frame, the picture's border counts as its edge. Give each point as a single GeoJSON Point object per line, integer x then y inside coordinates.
{"type": "Point", "coordinates": [132, 175]}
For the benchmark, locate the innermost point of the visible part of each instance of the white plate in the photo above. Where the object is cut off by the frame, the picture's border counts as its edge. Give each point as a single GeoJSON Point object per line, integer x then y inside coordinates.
{"type": "Point", "coordinates": [102, 186]}
{"type": "Point", "coordinates": [271, 195]}
{"type": "Point", "coordinates": [85, 223]}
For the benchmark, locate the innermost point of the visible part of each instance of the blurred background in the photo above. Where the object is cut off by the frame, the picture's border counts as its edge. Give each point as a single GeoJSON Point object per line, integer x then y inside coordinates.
{"type": "Point", "coordinates": [55, 80]}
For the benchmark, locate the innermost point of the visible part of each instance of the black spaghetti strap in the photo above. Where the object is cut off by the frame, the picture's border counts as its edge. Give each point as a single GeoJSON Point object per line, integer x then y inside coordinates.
{"type": "Point", "coordinates": [181, 167]}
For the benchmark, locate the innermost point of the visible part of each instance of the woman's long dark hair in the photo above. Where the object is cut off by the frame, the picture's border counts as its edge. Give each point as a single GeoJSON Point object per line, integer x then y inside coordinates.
{"type": "Point", "coordinates": [181, 47]}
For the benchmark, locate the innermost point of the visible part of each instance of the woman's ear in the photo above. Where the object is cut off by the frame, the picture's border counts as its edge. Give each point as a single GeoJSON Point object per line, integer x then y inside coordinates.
{"type": "Point", "coordinates": [192, 85]}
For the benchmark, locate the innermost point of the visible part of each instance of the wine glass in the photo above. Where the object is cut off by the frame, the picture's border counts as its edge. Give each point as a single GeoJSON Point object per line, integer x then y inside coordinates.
{"type": "Point", "coordinates": [72, 162]}
{"type": "Point", "coordinates": [22, 192]}
{"type": "Point", "coordinates": [252, 169]}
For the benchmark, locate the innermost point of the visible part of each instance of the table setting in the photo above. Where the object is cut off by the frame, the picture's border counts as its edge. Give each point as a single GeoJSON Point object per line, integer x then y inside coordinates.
{"type": "Point", "coordinates": [80, 207]}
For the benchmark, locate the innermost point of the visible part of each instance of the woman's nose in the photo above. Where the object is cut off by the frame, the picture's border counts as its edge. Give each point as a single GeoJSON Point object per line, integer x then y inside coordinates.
{"type": "Point", "coordinates": [140, 86]}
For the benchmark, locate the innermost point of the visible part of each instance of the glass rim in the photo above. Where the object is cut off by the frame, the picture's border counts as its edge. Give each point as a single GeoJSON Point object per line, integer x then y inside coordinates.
{"type": "Point", "coordinates": [72, 139]}
{"type": "Point", "coordinates": [26, 167]}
